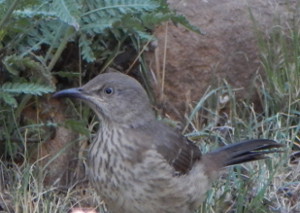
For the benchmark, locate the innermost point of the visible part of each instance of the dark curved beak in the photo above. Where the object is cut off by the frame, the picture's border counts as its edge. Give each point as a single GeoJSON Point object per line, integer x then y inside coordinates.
{"type": "Point", "coordinates": [69, 93]}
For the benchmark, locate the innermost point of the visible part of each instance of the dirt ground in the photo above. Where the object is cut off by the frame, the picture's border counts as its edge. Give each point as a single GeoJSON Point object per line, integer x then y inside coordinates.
{"type": "Point", "coordinates": [227, 51]}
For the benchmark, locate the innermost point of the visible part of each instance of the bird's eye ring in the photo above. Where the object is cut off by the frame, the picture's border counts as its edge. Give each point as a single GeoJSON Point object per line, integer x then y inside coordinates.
{"type": "Point", "coordinates": [108, 90]}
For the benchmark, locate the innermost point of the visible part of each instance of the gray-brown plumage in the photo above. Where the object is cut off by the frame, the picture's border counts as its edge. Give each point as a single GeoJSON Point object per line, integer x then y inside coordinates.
{"type": "Point", "coordinates": [138, 164]}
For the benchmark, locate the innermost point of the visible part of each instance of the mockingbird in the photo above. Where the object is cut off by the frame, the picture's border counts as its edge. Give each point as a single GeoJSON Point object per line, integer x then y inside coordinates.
{"type": "Point", "coordinates": [138, 164]}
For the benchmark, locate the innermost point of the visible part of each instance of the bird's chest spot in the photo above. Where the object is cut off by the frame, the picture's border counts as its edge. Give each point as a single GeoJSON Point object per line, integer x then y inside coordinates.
{"type": "Point", "coordinates": [109, 170]}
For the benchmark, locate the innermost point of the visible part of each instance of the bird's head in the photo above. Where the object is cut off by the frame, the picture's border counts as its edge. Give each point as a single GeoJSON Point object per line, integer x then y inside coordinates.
{"type": "Point", "coordinates": [114, 97]}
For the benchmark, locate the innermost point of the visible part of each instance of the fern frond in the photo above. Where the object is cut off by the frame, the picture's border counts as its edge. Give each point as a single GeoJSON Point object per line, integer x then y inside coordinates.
{"type": "Point", "coordinates": [67, 11]}
{"type": "Point", "coordinates": [99, 27]}
{"type": "Point", "coordinates": [15, 64]}
{"type": "Point", "coordinates": [8, 99]}
{"type": "Point", "coordinates": [104, 8]}
{"type": "Point", "coordinates": [30, 13]}
{"type": "Point", "coordinates": [25, 88]}
{"type": "Point", "coordinates": [85, 47]}
{"type": "Point", "coordinates": [152, 19]}
{"type": "Point", "coordinates": [45, 23]}
{"type": "Point", "coordinates": [103, 14]}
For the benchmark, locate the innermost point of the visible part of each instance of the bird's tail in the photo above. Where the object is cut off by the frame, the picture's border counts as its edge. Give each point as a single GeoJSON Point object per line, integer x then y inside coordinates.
{"type": "Point", "coordinates": [243, 152]}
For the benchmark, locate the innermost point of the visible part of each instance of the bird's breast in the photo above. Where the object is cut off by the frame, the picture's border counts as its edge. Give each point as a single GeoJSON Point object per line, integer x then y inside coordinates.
{"type": "Point", "coordinates": [132, 178]}
{"type": "Point", "coordinates": [110, 163]}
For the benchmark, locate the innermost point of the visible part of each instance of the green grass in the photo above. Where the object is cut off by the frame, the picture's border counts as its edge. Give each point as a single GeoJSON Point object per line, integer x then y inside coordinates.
{"type": "Point", "coordinates": [255, 186]}
{"type": "Point", "coordinates": [22, 192]}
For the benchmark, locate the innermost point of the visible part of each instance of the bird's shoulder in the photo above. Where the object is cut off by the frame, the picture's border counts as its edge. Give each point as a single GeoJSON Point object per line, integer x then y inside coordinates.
{"type": "Point", "coordinates": [175, 148]}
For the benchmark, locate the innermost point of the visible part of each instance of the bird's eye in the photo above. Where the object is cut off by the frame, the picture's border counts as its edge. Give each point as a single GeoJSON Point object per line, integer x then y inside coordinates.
{"type": "Point", "coordinates": [108, 90]}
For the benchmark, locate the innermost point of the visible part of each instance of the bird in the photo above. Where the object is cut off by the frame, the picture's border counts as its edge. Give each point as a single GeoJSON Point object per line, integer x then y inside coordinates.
{"type": "Point", "coordinates": [139, 164]}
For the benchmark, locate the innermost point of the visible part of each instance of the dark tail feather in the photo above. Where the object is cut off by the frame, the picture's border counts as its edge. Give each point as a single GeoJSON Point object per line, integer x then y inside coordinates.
{"type": "Point", "coordinates": [244, 152]}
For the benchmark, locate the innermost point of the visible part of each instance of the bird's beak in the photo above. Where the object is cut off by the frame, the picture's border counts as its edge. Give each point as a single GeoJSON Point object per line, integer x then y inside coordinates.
{"type": "Point", "coordinates": [70, 93]}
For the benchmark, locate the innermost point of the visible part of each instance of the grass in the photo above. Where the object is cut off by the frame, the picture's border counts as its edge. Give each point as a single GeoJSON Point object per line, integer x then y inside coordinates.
{"type": "Point", "coordinates": [246, 188]}
{"type": "Point", "coordinates": [255, 186]}
{"type": "Point", "coordinates": [271, 185]}
{"type": "Point", "coordinates": [22, 191]}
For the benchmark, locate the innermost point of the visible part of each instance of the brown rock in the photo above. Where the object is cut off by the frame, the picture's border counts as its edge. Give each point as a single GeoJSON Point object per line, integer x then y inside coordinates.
{"type": "Point", "coordinates": [227, 51]}
{"type": "Point", "coordinates": [56, 156]}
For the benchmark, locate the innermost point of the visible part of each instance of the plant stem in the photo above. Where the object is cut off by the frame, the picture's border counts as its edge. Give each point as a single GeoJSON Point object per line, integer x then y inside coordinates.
{"type": "Point", "coordinates": [60, 49]}
{"type": "Point", "coordinates": [8, 13]}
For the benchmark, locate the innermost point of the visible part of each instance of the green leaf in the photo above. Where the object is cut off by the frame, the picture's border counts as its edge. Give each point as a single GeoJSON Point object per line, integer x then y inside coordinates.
{"type": "Point", "coordinates": [112, 8]}
{"type": "Point", "coordinates": [25, 88]}
{"type": "Point", "coordinates": [77, 126]}
{"type": "Point", "coordinates": [10, 65]}
{"type": "Point", "coordinates": [8, 99]}
{"type": "Point", "coordinates": [29, 13]}
{"type": "Point", "coordinates": [180, 19]}
{"type": "Point", "coordinates": [65, 10]}
{"type": "Point", "coordinates": [67, 74]}
{"type": "Point", "coordinates": [15, 64]}
{"type": "Point", "coordinates": [86, 49]}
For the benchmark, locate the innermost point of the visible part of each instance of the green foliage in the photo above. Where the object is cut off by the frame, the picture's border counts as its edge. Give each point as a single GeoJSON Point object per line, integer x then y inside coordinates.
{"type": "Point", "coordinates": [35, 35]}
{"type": "Point", "coordinates": [250, 187]}
{"type": "Point", "coordinates": [47, 23]}
{"type": "Point", "coordinates": [280, 53]}
{"type": "Point", "coordinates": [78, 126]}
{"type": "Point", "coordinates": [9, 90]}
{"type": "Point", "coordinates": [67, 11]}
{"type": "Point", "coordinates": [17, 64]}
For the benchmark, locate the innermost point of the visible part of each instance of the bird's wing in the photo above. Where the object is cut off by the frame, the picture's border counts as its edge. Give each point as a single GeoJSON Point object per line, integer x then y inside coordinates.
{"type": "Point", "coordinates": [176, 149]}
